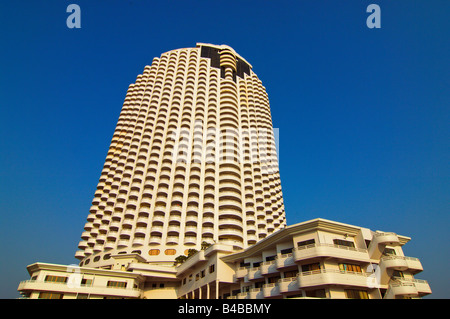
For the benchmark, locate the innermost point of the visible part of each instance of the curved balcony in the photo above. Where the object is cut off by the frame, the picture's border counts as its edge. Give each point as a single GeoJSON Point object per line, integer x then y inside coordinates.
{"type": "Point", "coordinates": [97, 248]}
{"type": "Point", "coordinates": [401, 288]}
{"type": "Point", "coordinates": [73, 288]}
{"type": "Point", "coordinates": [140, 230]}
{"type": "Point", "coordinates": [85, 235]}
{"type": "Point", "coordinates": [241, 272]}
{"type": "Point", "coordinates": [271, 290]}
{"type": "Point", "coordinates": [82, 244]}
{"type": "Point", "coordinates": [402, 263]}
{"type": "Point", "coordinates": [386, 238]}
{"type": "Point", "coordinates": [110, 245]}
{"type": "Point", "coordinates": [190, 240]}
{"type": "Point", "coordinates": [284, 260]}
{"type": "Point", "coordinates": [208, 231]}
{"type": "Point", "coordinates": [268, 267]}
{"type": "Point", "coordinates": [123, 243]}
{"type": "Point", "coordinates": [379, 241]}
{"type": "Point", "coordinates": [288, 284]}
{"type": "Point", "coordinates": [233, 222]}
{"type": "Point", "coordinates": [138, 241]}
{"type": "Point", "coordinates": [172, 240]}
{"type": "Point", "coordinates": [333, 277]}
{"type": "Point", "coordinates": [79, 254]}
{"type": "Point", "coordinates": [155, 240]}
{"type": "Point", "coordinates": [329, 250]}
{"type": "Point", "coordinates": [254, 273]}
{"type": "Point", "coordinates": [230, 232]}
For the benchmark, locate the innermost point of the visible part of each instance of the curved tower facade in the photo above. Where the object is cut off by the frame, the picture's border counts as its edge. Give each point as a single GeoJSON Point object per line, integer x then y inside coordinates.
{"type": "Point", "coordinates": [192, 160]}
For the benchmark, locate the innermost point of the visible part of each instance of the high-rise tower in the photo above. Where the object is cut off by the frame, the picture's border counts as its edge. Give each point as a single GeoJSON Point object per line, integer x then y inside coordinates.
{"type": "Point", "coordinates": [192, 160]}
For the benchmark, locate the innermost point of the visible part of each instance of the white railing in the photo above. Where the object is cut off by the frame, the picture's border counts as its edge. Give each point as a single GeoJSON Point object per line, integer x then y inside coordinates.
{"type": "Point", "coordinates": [377, 234]}
{"type": "Point", "coordinates": [331, 246]}
{"type": "Point", "coordinates": [395, 257]}
{"type": "Point", "coordinates": [73, 285]}
{"type": "Point", "coordinates": [333, 271]}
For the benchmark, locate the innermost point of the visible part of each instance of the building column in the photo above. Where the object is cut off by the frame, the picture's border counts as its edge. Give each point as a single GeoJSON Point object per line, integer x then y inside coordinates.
{"type": "Point", "coordinates": [208, 292]}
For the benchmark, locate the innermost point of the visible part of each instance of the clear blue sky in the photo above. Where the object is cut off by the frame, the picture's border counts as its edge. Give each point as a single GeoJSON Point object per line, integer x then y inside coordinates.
{"type": "Point", "coordinates": [363, 114]}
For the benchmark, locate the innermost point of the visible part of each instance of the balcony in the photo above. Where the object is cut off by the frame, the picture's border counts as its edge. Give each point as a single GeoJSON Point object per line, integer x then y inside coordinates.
{"type": "Point", "coordinates": [333, 277]}
{"type": "Point", "coordinates": [379, 241]}
{"type": "Point", "coordinates": [330, 250]}
{"type": "Point", "coordinates": [271, 290]}
{"type": "Point", "coordinates": [123, 243]}
{"type": "Point", "coordinates": [242, 295]}
{"type": "Point", "coordinates": [386, 238]}
{"type": "Point", "coordinates": [268, 267]}
{"type": "Point", "coordinates": [401, 288]}
{"type": "Point", "coordinates": [285, 260]}
{"type": "Point", "coordinates": [256, 293]}
{"type": "Point", "coordinates": [138, 241]}
{"type": "Point", "coordinates": [254, 273]}
{"type": "Point", "coordinates": [241, 272]}
{"type": "Point", "coordinates": [73, 287]}
{"type": "Point", "coordinates": [288, 284]}
{"type": "Point", "coordinates": [402, 263]}
{"type": "Point", "coordinates": [422, 286]}
{"type": "Point", "coordinates": [79, 254]}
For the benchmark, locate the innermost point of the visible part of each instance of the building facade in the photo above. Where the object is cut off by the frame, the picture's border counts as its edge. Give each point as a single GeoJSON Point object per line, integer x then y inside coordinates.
{"type": "Point", "coordinates": [192, 171]}
{"type": "Point", "coordinates": [192, 160]}
{"type": "Point", "coordinates": [313, 259]}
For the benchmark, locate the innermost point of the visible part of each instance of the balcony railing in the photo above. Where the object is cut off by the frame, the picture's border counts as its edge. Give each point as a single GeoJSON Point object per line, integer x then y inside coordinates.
{"type": "Point", "coordinates": [330, 250]}
{"type": "Point", "coordinates": [334, 277]}
{"type": "Point", "coordinates": [69, 287]}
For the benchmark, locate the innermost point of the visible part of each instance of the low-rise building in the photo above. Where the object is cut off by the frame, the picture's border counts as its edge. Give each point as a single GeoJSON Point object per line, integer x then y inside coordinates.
{"type": "Point", "coordinates": [314, 259]}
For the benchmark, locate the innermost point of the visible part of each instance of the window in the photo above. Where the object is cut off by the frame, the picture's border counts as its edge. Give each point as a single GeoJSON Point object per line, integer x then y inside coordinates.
{"type": "Point", "coordinates": [117, 284]}
{"type": "Point", "coordinates": [311, 267]}
{"type": "Point", "coordinates": [212, 268]}
{"type": "Point", "coordinates": [286, 251]}
{"type": "Point", "coordinates": [82, 296]}
{"type": "Point", "coordinates": [259, 284]}
{"type": "Point", "coordinates": [341, 242]}
{"type": "Point", "coordinates": [274, 279]}
{"type": "Point", "coordinates": [306, 242]}
{"type": "Point", "coordinates": [50, 278]}
{"type": "Point", "coordinates": [86, 282]}
{"type": "Point", "coordinates": [356, 294]}
{"type": "Point", "coordinates": [388, 251]}
{"type": "Point", "coordinates": [50, 295]}
{"type": "Point", "coordinates": [350, 267]}
{"type": "Point", "coordinates": [153, 252]}
{"type": "Point", "coordinates": [397, 274]}
{"type": "Point", "coordinates": [202, 273]}
{"type": "Point", "coordinates": [288, 274]}
{"type": "Point", "coordinates": [270, 258]}
{"type": "Point", "coordinates": [170, 251]}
